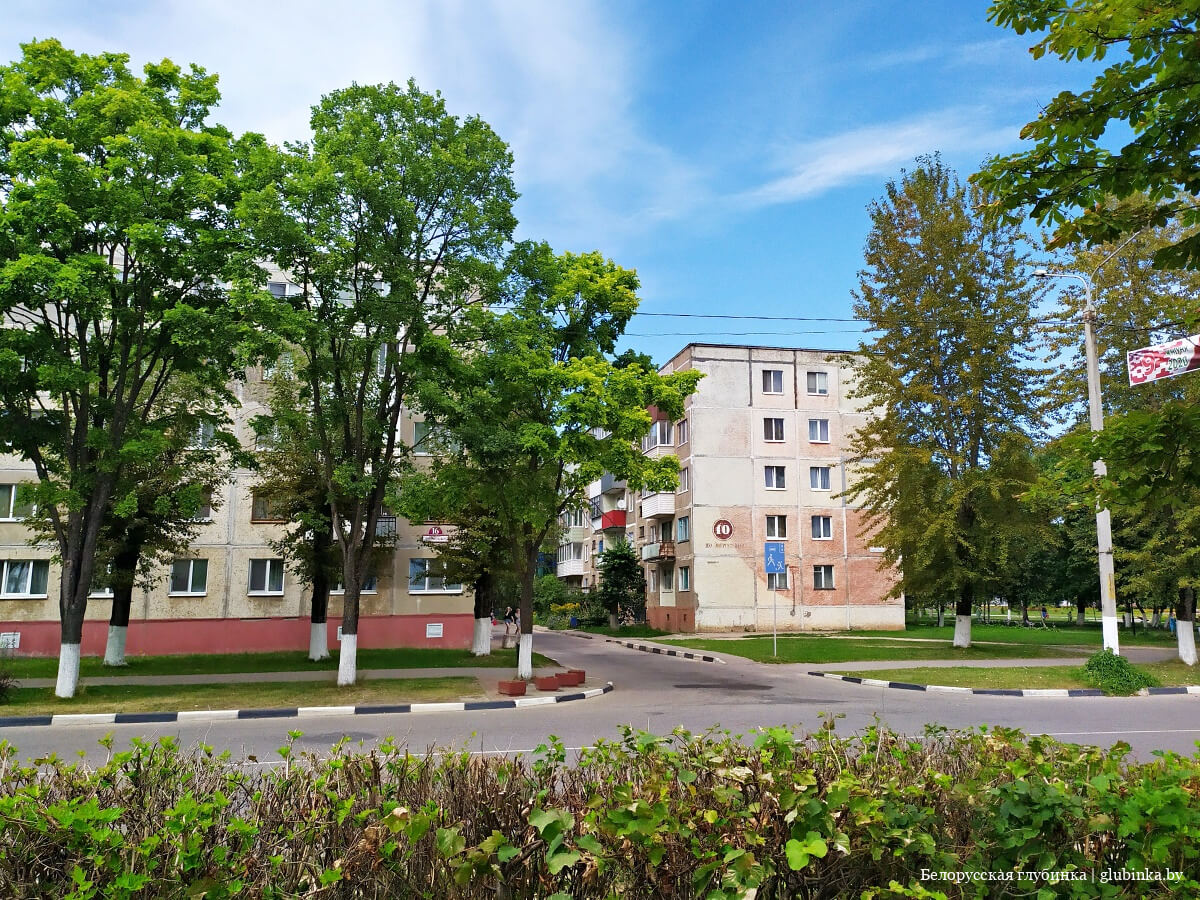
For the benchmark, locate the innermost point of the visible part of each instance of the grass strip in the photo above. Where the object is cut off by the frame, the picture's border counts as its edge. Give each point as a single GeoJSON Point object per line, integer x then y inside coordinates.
{"type": "Point", "coordinates": [260, 695]}
{"type": "Point", "coordinates": [810, 650]}
{"type": "Point", "coordinates": [1171, 673]}
{"type": "Point", "coordinates": [295, 661]}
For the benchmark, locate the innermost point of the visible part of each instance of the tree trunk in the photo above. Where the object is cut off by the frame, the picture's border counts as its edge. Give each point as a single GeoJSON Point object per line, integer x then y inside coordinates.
{"type": "Point", "coordinates": [78, 553]}
{"type": "Point", "coordinates": [525, 645]}
{"type": "Point", "coordinates": [962, 616]}
{"type": "Point", "coordinates": [1080, 609]}
{"type": "Point", "coordinates": [318, 633]}
{"type": "Point", "coordinates": [941, 614]}
{"type": "Point", "coordinates": [612, 620]}
{"type": "Point", "coordinates": [484, 606]}
{"type": "Point", "coordinates": [1025, 611]}
{"type": "Point", "coordinates": [348, 650]}
{"type": "Point", "coordinates": [1185, 625]}
{"type": "Point", "coordinates": [124, 573]}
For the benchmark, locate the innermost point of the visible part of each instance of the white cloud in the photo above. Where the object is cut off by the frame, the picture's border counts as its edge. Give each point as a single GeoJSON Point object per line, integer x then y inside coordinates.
{"type": "Point", "coordinates": [557, 81]}
{"type": "Point", "coordinates": [970, 53]}
{"type": "Point", "coordinates": [816, 166]}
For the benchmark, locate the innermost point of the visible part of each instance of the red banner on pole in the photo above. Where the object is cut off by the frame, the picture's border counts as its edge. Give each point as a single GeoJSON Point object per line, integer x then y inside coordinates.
{"type": "Point", "coordinates": [1164, 360]}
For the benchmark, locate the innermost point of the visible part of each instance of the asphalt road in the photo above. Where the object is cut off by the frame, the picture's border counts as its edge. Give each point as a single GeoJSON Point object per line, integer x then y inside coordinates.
{"type": "Point", "coordinates": [659, 693]}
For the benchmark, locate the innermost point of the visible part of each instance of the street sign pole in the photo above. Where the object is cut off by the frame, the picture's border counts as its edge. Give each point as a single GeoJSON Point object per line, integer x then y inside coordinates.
{"type": "Point", "coordinates": [773, 564]}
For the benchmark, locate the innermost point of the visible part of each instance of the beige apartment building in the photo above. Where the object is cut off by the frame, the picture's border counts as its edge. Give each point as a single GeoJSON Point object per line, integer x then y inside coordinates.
{"type": "Point", "coordinates": [763, 452]}
{"type": "Point", "coordinates": [232, 591]}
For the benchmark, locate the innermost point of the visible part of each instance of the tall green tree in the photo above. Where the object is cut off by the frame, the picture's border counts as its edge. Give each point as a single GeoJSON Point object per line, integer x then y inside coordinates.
{"type": "Point", "coordinates": [948, 378]}
{"type": "Point", "coordinates": [390, 222]}
{"type": "Point", "coordinates": [542, 410]}
{"type": "Point", "coordinates": [622, 581]}
{"type": "Point", "coordinates": [120, 270]}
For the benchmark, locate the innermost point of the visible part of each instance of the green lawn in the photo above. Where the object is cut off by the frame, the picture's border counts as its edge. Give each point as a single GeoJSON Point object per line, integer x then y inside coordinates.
{"type": "Point", "coordinates": [168, 698]}
{"type": "Point", "coordinates": [815, 650]}
{"type": "Point", "coordinates": [1034, 677]}
{"type": "Point", "coordinates": [625, 631]}
{"type": "Point", "coordinates": [216, 663]}
{"type": "Point", "coordinates": [1060, 632]}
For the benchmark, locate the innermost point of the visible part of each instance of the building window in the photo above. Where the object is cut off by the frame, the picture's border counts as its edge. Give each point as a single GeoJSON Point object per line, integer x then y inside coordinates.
{"type": "Point", "coordinates": [660, 435]}
{"type": "Point", "coordinates": [683, 529]}
{"type": "Point", "coordinates": [773, 430]}
{"type": "Point", "coordinates": [818, 431]}
{"type": "Point", "coordinates": [641, 532]}
{"type": "Point", "coordinates": [264, 509]}
{"type": "Point", "coordinates": [370, 585]}
{"type": "Point", "coordinates": [652, 580]}
{"type": "Point", "coordinates": [685, 578]}
{"type": "Point", "coordinates": [772, 381]}
{"type": "Point", "coordinates": [822, 578]}
{"type": "Point", "coordinates": [818, 478]}
{"type": "Point", "coordinates": [818, 383]}
{"type": "Point", "coordinates": [683, 481]}
{"type": "Point", "coordinates": [653, 532]}
{"type": "Point", "coordinates": [822, 528]}
{"type": "Point", "coordinates": [776, 526]}
{"type": "Point", "coordinates": [202, 437]}
{"type": "Point", "coordinates": [24, 577]}
{"type": "Point", "coordinates": [278, 289]}
{"type": "Point", "coordinates": [573, 518]}
{"type": "Point", "coordinates": [668, 578]}
{"type": "Point", "coordinates": [15, 502]}
{"type": "Point", "coordinates": [266, 576]}
{"type": "Point", "coordinates": [283, 366]}
{"type": "Point", "coordinates": [425, 576]}
{"type": "Point", "coordinates": [777, 581]}
{"type": "Point", "coordinates": [381, 361]}
{"type": "Point", "coordinates": [422, 445]}
{"type": "Point", "coordinates": [774, 476]}
{"type": "Point", "coordinates": [203, 511]}
{"type": "Point", "coordinates": [681, 432]}
{"type": "Point", "coordinates": [189, 577]}
{"type": "Point", "coordinates": [600, 547]}
{"type": "Point", "coordinates": [101, 582]}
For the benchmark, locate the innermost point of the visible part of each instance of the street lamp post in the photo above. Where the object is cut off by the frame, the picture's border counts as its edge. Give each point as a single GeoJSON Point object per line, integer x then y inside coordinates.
{"type": "Point", "coordinates": [1108, 589]}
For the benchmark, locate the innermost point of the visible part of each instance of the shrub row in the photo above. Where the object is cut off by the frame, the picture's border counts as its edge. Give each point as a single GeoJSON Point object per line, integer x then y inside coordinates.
{"type": "Point", "coordinates": [645, 816]}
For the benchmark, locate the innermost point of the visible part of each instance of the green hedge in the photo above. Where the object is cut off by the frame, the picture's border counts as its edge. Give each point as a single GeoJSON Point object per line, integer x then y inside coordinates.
{"type": "Point", "coordinates": [678, 816]}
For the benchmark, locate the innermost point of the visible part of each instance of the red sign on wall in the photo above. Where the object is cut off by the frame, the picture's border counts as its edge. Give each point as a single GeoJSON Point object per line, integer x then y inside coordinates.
{"type": "Point", "coordinates": [723, 529]}
{"type": "Point", "coordinates": [1164, 360]}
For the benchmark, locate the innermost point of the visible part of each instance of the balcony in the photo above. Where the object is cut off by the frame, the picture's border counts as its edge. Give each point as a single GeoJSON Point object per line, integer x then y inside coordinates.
{"type": "Point", "coordinates": [614, 518]}
{"type": "Point", "coordinates": [575, 534]}
{"type": "Point", "coordinates": [611, 485]}
{"type": "Point", "coordinates": [658, 550]}
{"type": "Point", "coordinates": [569, 567]}
{"type": "Point", "coordinates": [659, 506]}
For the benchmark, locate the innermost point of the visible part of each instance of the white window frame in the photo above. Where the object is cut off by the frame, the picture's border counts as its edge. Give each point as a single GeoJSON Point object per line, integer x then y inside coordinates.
{"type": "Point", "coordinates": [202, 437]}
{"type": "Point", "coordinates": [7, 513]}
{"type": "Point", "coordinates": [822, 528]}
{"type": "Point", "coordinates": [817, 383]}
{"type": "Point", "coordinates": [271, 564]}
{"type": "Point", "coordinates": [823, 578]}
{"type": "Point", "coordinates": [683, 529]}
{"type": "Point", "coordinates": [661, 435]}
{"type": "Point", "coordinates": [818, 431]}
{"type": "Point", "coordinates": [777, 527]}
{"type": "Point", "coordinates": [24, 594]}
{"type": "Point", "coordinates": [818, 483]}
{"type": "Point", "coordinates": [255, 498]}
{"type": "Point", "coordinates": [370, 585]}
{"type": "Point", "coordinates": [191, 578]}
{"type": "Point", "coordinates": [681, 432]}
{"type": "Point", "coordinates": [773, 430]}
{"type": "Point", "coordinates": [684, 578]}
{"type": "Point", "coordinates": [769, 378]}
{"type": "Point", "coordinates": [652, 580]}
{"type": "Point", "coordinates": [271, 285]}
{"type": "Point", "coordinates": [777, 581]}
{"type": "Point", "coordinates": [205, 508]}
{"type": "Point", "coordinates": [444, 589]}
{"type": "Point", "coordinates": [683, 481]}
{"type": "Point", "coordinates": [775, 478]}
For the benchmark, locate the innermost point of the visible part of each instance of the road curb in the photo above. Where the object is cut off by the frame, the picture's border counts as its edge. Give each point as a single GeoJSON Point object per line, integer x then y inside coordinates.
{"type": "Point", "coordinates": [294, 712]}
{"type": "Point", "coordinates": [645, 648]}
{"type": "Point", "coordinates": [947, 689]}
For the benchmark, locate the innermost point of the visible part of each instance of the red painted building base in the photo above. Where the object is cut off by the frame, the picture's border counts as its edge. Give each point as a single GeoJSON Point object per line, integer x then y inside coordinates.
{"type": "Point", "coordinates": [162, 637]}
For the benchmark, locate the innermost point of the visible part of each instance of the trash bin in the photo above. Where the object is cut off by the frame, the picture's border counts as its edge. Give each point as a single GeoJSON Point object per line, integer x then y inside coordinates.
{"type": "Point", "coordinates": [574, 622]}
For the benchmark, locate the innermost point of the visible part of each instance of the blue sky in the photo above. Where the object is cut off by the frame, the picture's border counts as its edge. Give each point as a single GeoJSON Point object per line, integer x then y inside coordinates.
{"type": "Point", "coordinates": [726, 151]}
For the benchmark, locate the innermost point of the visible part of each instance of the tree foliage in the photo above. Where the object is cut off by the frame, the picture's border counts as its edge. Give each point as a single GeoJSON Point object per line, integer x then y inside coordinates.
{"type": "Point", "coordinates": [1144, 100]}
{"type": "Point", "coordinates": [622, 580]}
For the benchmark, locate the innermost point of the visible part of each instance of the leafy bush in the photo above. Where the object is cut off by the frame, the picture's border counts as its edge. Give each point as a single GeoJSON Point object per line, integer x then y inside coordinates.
{"type": "Point", "coordinates": [7, 682]}
{"type": "Point", "coordinates": [645, 816]}
{"type": "Point", "coordinates": [1116, 675]}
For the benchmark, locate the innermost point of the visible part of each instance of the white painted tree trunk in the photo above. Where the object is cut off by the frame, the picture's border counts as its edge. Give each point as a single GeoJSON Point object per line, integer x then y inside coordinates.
{"type": "Point", "coordinates": [1079, 619]}
{"type": "Point", "coordinates": [962, 631]}
{"type": "Point", "coordinates": [318, 641]}
{"type": "Point", "coordinates": [68, 670]}
{"type": "Point", "coordinates": [525, 657]}
{"type": "Point", "coordinates": [483, 637]}
{"type": "Point", "coordinates": [941, 616]}
{"type": "Point", "coordinates": [348, 660]}
{"type": "Point", "coordinates": [114, 648]}
{"type": "Point", "coordinates": [1185, 634]}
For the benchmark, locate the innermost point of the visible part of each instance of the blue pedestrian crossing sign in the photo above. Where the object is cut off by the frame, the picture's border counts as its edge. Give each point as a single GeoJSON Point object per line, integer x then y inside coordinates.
{"type": "Point", "coordinates": [773, 562]}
